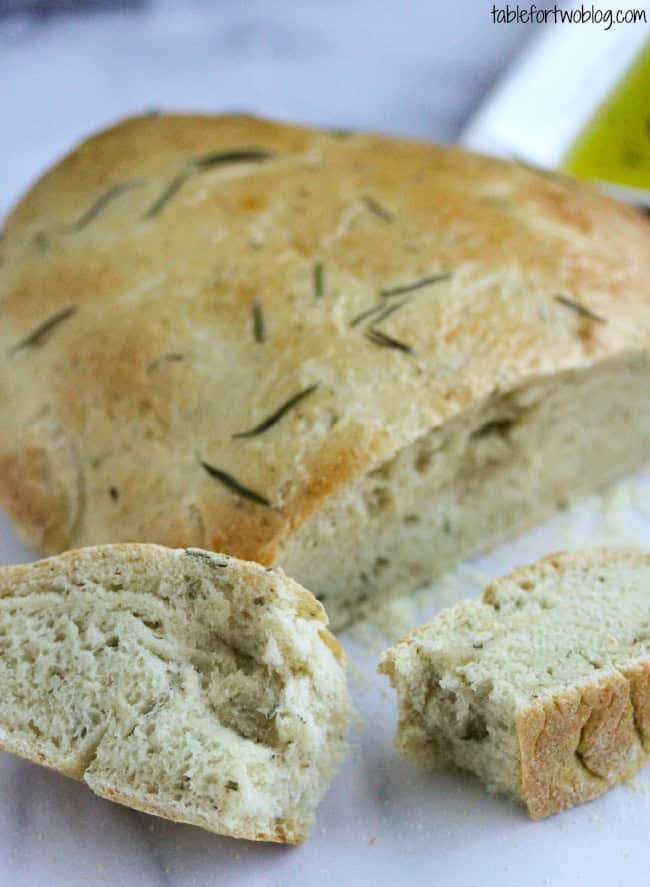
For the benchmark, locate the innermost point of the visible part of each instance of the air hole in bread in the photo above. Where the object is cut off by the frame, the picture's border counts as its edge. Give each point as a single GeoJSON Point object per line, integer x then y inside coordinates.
{"type": "Point", "coordinates": [379, 499]}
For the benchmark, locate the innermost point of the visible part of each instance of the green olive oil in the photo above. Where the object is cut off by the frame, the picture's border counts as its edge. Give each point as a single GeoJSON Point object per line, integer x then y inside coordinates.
{"type": "Point", "coordinates": [615, 145]}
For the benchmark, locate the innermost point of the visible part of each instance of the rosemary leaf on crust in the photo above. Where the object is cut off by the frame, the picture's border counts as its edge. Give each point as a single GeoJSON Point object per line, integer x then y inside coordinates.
{"type": "Point", "coordinates": [172, 357]}
{"type": "Point", "coordinates": [234, 155]}
{"type": "Point", "coordinates": [259, 331]}
{"type": "Point", "coordinates": [401, 289]}
{"type": "Point", "coordinates": [201, 163]}
{"type": "Point", "coordinates": [381, 310]}
{"type": "Point", "coordinates": [200, 554]}
{"type": "Point", "coordinates": [234, 486]}
{"type": "Point", "coordinates": [385, 341]}
{"type": "Point", "coordinates": [579, 309]}
{"type": "Point", "coordinates": [35, 338]}
{"type": "Point", "coordinates": [168, 192]}
{"type": "Point", "coordinates": [319, 280]}
{"type": "Point", "coordinates": [275, 417]}
{"type": "Point", "coordinates": [100, 204]}
{"type": "Point", "coordinates": [377, 209]}
{"type": "Point", "coordinates": [387, 311]}
{"type": "Point", "coordinates": [369, 312]}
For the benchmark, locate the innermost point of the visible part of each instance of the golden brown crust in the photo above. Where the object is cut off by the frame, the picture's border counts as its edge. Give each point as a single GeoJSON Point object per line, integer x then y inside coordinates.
{"type": "Point", "coordinates": [129, 354]}
{"type": "Point", "coordinates": [573, 745]}
{"type": "Point", "coordinates": [577, 745]}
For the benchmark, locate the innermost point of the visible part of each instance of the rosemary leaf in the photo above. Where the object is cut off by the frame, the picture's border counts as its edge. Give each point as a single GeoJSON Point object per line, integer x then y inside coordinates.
{"type": "Point", "coordinates": [37, 335]}
{"type": "Point", "coordinates": [377, 209]}
{"type": "Point", "coordinates": [381, 310]}
{"type": "Point", "coordinates": [234, 486]}
{"type": "Point", "coordinates": [401, 289]}
{"type": "Point", "coordinates": [198, 164]}
{"type": "Point", "coordinates": [369, 312]}
{"type": "Point", "coordinates": [173, 357]}
{"type": "Point", "coordinates": [579, 309]}
{"type": "Point", "coordinates": [386, 341]}
{"type": "Point", "coordinates": [259, 330]}
{"type": "Point", "coordinates": [101, 203]}
{"type": "Point", "coordinates": [210, 557]}
{"type": "Point", "coordinates": [387, 311]}
{"type": "Point", "coordinates": [319, 280]}
{"type": "Point", "coordinates": [168, 192]}
{"type": "Point", "coordinates": [235, 155]}
{"type": "Point", "coordinates": [275, 417]}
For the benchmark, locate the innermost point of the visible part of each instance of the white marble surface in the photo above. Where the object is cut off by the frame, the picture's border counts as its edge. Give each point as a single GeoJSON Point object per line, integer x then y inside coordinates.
{"type": "Point", "coordinates": [413, 68]}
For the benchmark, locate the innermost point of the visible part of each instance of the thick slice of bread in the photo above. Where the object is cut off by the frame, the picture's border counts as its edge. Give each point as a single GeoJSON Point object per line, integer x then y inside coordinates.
{"type": "Point", "coordinates": [179, 682]}
{"type": "Point", "coordinates": [541, 687]}
{"type": "Point", "coordinates": [306, 347]}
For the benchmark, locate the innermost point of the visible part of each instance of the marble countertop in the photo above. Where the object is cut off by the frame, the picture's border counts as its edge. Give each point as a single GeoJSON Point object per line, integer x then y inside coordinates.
{"type": "Point", "coordinates": [414, 68]}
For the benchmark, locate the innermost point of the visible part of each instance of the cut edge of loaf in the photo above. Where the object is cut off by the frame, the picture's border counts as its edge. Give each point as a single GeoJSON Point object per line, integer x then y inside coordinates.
{"type": "Point", "coordinates": [549, 747]}
{"type": "Point", "coordinates": [497, 468]}
{"type": "Point", "coordinates": [177, 680]}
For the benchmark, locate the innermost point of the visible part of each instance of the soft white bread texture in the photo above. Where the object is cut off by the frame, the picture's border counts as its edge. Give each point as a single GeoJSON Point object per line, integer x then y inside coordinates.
{"type": "Point", "coordinates": [541, 687]}
{"type": "Point", "coordinates": [305, 347]}
{"type": "Point", "coordinates": [179, 682]}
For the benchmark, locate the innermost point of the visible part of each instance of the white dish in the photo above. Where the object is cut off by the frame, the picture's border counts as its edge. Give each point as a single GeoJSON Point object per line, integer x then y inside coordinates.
{"type": "Point", "coordinates": [545, 99]}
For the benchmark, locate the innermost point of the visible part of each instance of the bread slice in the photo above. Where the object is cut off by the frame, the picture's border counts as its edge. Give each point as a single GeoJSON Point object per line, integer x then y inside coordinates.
{"type": "Point", "coordinates": [306, 347]}
{"type": "Point", "coordinates": [182, 683]}
{"type": "Point", "coordinates": [541, 687]}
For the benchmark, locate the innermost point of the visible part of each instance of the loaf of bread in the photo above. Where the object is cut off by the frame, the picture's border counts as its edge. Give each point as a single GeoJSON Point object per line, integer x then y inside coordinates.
{"type": "Point", "coordinates": [178, 682]}
{"type": "Point", "coordinates": [305, 347]}
{"type": "Point", "coordinates": [541, 687]}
